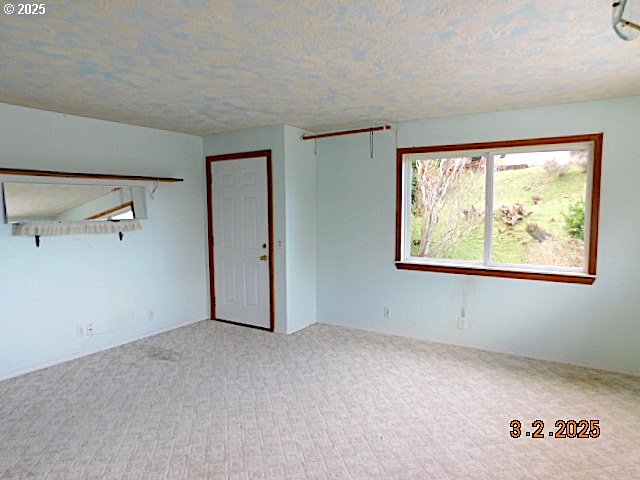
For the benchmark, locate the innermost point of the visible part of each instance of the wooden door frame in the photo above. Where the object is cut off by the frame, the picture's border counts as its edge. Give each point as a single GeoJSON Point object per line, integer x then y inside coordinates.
{"type": "Point", "coordinates": [212, 291]}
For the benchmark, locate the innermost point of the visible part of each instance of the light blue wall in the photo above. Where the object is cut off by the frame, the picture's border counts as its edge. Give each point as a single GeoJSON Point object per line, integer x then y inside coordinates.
{"type": "Point", "coordinates": [46, 293]}
{"type": "Point", "coordinates": [595, 325]}
{"type": "Point", "coordinates": [300, 188]}
{"type": "Point", "coordinates": [336, 214]}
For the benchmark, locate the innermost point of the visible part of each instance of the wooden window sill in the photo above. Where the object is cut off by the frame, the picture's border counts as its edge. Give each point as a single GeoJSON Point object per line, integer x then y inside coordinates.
{"type": "Point", "coordinates": [500, 273]}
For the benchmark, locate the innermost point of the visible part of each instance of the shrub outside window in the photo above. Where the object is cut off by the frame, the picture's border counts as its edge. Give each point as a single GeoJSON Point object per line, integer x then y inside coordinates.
{"type": "Point", "coordinates": [522, 208]}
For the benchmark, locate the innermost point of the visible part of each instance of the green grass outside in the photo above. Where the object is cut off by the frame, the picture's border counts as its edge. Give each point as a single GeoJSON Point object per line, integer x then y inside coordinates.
{"type": "Point", "coordinates": [513, 245]}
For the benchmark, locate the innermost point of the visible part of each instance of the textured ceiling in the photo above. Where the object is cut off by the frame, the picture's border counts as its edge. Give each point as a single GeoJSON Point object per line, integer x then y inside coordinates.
{"type": "Point", "coordinates": [212, 66]}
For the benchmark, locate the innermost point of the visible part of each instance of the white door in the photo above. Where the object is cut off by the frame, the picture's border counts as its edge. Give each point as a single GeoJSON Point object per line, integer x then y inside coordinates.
{"type": "Point", "coordinates": [240, 241]}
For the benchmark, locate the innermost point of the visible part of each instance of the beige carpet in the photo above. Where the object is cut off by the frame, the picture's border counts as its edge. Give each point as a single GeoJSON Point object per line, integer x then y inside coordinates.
{"type": "Point", "coordinates": [220, 401]}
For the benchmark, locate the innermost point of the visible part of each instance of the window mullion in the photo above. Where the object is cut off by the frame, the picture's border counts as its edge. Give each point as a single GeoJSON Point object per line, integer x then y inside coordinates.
{"type": "Point", "coordinates": [406, 212]}
{"type": "Point", "coordinates": [488, 208]}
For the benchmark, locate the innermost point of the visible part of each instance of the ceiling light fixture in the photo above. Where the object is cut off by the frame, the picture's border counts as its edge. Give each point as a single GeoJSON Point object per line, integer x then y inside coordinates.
{"type": "Point", "coordinates": [626, 19]}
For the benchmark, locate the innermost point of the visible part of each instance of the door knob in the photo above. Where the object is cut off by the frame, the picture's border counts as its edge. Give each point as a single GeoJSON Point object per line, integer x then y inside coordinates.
{"type": "Point", "coordinates": [263, 258]}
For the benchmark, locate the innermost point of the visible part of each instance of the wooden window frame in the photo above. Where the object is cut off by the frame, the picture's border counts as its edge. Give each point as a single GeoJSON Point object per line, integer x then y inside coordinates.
{"type": "Point", "coordinates": [587, 277]}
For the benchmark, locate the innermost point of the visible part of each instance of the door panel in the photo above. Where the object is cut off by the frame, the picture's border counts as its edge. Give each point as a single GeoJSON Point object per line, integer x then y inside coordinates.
{"type": "Point", "coordinates": [241, 238]}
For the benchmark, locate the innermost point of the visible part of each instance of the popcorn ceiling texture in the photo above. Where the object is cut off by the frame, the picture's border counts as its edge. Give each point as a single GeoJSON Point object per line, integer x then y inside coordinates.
{"type": "Point", "coordinates": [205, 67]}
{"type": "Point", "coordinates": [218, 401]}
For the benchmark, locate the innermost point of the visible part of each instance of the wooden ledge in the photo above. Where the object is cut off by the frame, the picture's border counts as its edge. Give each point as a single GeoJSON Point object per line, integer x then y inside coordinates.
{"type": "Point", "coordinates": [500, 273]}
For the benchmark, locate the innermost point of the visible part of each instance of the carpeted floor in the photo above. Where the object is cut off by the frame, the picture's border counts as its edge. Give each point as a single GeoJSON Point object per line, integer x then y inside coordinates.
{"type": "Point", "coordinates": [220, 401]}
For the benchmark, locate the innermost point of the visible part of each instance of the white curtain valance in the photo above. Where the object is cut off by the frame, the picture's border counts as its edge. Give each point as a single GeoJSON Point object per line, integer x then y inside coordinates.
{"type": "Point", "coordinates": [43, 229]}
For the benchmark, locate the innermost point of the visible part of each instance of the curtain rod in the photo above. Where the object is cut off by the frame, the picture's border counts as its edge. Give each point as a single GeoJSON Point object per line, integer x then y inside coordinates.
{"type": "Point", "coordinates": [346, 132]}
{"type": "Point", "coordinates": [627, 23]}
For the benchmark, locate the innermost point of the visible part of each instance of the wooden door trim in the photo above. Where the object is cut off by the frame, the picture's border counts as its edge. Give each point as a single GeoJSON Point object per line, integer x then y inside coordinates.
{"type": "Point", "coordinates": [212, 290]}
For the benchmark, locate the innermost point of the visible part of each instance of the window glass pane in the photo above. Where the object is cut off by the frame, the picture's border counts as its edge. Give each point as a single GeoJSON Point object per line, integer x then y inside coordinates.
{"type": "Point", "coordinates": [539, 208]}
{"type": "Point", "coordinates": [125, 215]}
{"type": "Point", "coordinates": [124, 212]}
{"type": "Point", "coordinates": [447, 207]}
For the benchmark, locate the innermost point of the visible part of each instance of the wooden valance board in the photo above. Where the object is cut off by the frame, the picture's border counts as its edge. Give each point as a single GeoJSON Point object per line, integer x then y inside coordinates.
{"type": "Point", "coordinates": [97, 176]}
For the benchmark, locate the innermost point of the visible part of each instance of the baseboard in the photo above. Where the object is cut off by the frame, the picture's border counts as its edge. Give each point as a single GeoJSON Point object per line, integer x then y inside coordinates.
{"type": "Point", "coordinates": [84, 353]}
{"type": "Point", "coordinates": [593, 366]}
{"type": "Point", "coordinates": [301, 327]}
{"type": "Point", "coordinates": [91, 351]}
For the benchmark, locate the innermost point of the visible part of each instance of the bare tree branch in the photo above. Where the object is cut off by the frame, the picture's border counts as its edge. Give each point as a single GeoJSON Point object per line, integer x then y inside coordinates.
{"type": "Point", "coordinates": [445, 190]}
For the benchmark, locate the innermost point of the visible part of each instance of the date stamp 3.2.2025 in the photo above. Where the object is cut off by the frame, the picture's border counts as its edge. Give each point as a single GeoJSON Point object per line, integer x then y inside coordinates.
{"type": "Point", "coordinates": [563, 429]}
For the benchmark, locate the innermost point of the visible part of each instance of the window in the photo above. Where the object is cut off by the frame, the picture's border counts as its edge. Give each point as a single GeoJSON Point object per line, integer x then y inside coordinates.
{"type": "Point", "coordinates": [521, 209]}
{"type": "Point", "coordinates": [121, 212]}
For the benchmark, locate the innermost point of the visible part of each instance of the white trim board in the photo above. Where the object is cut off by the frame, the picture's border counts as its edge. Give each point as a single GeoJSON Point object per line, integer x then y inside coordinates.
{"type": "Point", "coordinates": [300, 327]}
{"type": "Point", "coordinates": [592, 366]}
{"type": "Point", "coordinates": [91, 351]}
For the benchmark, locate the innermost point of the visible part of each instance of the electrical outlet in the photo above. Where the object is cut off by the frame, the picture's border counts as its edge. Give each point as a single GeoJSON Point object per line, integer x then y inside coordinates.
{"type": "Point", "coordinates": [89, 329]}
{"type": "Point", "coordinates": [151, 316]}
{"type": "Point", "coordinates": [80, 330]}
{"type": "Point", "coordinates": [387, 312]}
{"type": "Point", "coordinates": [462, 320]}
